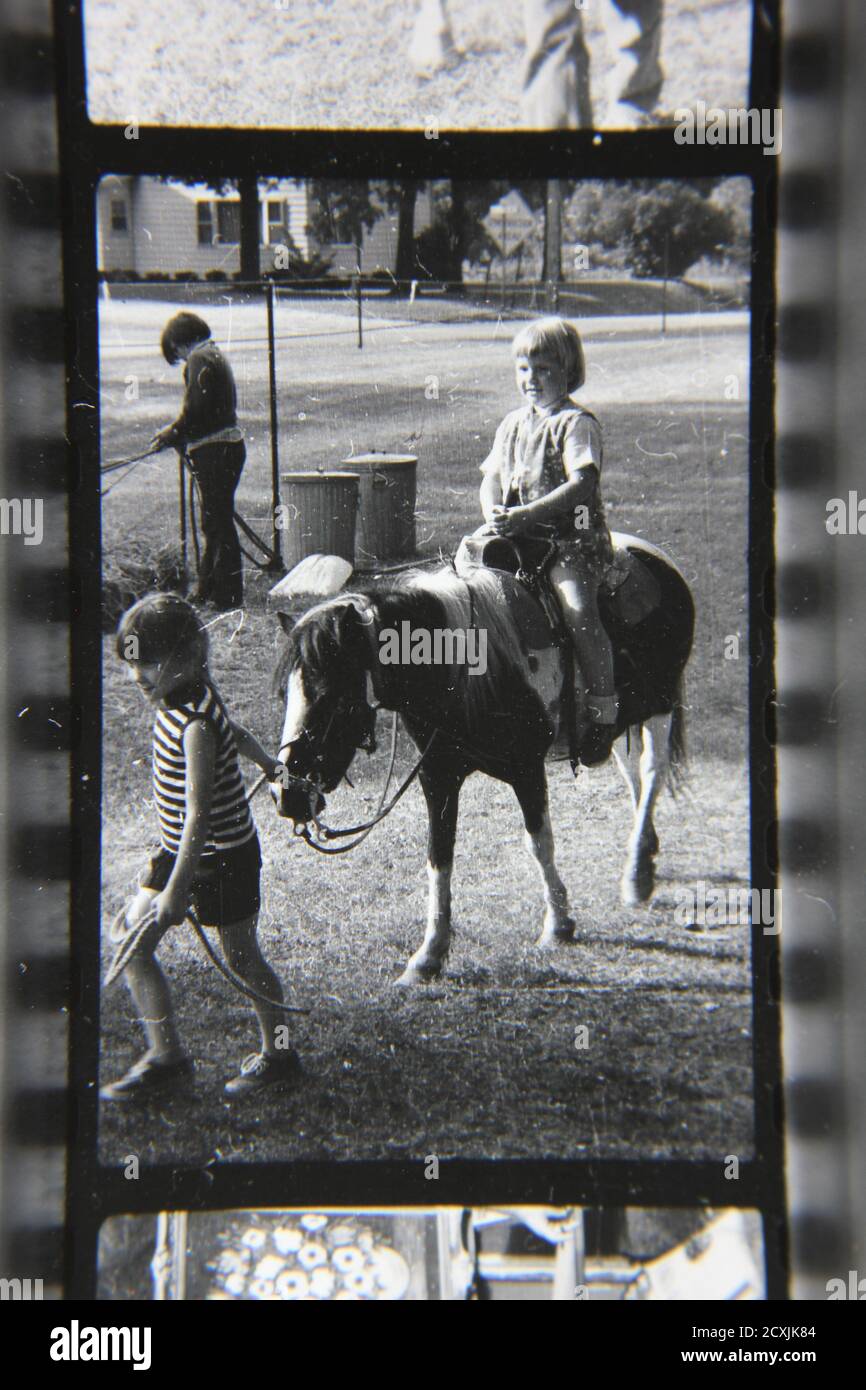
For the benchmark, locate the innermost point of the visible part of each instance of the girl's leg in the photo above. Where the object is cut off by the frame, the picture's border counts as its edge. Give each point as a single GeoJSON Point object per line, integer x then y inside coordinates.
{"type": "Point", "coordinates": [227, 573]}
{"type": "Point", "coordinates": [634, 77]}
{"type": "Point", "coordinates": [164, 1062]}
{"type": "Point", "coordinates": [431, 47]}
{"type": "Point", "coordinates": [578, 601]}
{"type": "Point", "coordinates": [150, 992]}
{"type": "Point", "coordinates": [218, 471]}
{"type": "Point", "coordinates": [241, 949]}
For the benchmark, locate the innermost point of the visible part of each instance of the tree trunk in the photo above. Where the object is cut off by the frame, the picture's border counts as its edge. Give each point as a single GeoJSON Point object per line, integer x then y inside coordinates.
{"type": "Point", "coordinates": [553, 242]}
{"type": "Point", "coordinates": [251, 228]}
{"type": "Point", "coordinates": [404, 268]}
{"type": "Point", "coordinates": [457, 224]}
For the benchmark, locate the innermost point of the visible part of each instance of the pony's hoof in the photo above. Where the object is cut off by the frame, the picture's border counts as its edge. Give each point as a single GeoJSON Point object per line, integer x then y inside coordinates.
{"type": "Point", "coordinates": [418, 975]}
{"type": "Point", "coordinates": [559, 935]}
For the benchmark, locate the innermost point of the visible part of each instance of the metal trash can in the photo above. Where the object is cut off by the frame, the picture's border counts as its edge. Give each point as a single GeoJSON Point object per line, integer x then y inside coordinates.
{"type": "Point", "coordinates": [386, 515]}
{"type": "Point", "coordinates": [319, 515]}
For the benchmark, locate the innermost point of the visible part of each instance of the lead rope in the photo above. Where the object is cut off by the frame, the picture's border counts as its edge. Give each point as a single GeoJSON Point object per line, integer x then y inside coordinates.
{"type": "Point", "coordinates": [233, 978]}
{"type": "Point", "coordinates": [132, 944]}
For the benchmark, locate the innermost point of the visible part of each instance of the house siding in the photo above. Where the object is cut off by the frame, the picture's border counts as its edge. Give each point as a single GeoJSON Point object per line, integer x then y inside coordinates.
{"type": "Point", "coordinates": [162, 226]}
{"type": "Point", "coordinates": [162, 229]}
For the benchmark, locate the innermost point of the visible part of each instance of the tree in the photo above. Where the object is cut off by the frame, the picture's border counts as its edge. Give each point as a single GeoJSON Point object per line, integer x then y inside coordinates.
{"type": "Point", "coordinates": [600, 211]}
{"type": "Point", "coordinates": [658, 226]}
{"type": "Point", "coordinates": [402, 197]}
{"type": "Point", "coordinates": [457, 232]}
{"type": "Point", "coordinates": [672, 227]}
{"type": "Point", "coordinates": [251, 227]}
{"type": "Point", "coordinates": [343, 209]}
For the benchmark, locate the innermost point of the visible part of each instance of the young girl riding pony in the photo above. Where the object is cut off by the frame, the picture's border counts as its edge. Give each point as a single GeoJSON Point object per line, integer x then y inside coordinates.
{"type": "Point", "coordinates": [543, 477]}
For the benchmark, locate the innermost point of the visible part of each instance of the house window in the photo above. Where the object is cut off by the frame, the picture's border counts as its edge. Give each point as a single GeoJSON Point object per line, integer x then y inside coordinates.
{"type": "Point", "coordinates": [228, 222]}
{"type": "Point", "coordinates": [204, 217]}
{"type": "Point", "coordinates": [118, 215]}
{"type": "Point", "coordinates": [277, 223]}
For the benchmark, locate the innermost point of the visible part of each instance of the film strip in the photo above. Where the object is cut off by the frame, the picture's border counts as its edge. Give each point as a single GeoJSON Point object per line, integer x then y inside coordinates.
{"type": "Point", "coordinates": [820, 953]}
{"type": "Point", "coordinates": [39, 721]}
{"type": "Point", "coordinates": [817, 719]}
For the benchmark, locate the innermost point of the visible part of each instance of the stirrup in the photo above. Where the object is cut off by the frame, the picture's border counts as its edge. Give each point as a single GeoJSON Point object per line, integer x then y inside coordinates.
{"type": "Point", "coordinates": [602, 709]}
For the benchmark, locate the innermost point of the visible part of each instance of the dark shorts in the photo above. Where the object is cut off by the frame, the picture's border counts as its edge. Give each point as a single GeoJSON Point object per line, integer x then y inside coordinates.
{"type": "Point", "coordinates": [225, 888]}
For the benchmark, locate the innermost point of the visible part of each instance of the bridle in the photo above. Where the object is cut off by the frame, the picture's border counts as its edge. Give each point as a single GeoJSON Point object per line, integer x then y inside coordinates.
{"type": "Point", "coordinates": [312, 789]}
{"type": "Point", "coordinates": [326, 832]}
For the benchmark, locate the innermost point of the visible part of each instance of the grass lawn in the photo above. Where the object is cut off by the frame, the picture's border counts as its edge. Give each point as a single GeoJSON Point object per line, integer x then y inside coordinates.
{"type": "Point", "coordinates": [331, 63]}
{"type": "Point", "coordinates": [483, 1063]}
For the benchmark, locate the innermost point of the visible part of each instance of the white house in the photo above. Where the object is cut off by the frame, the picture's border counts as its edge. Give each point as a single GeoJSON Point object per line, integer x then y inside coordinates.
{"type": "Point", "coordinates": [147, 224]}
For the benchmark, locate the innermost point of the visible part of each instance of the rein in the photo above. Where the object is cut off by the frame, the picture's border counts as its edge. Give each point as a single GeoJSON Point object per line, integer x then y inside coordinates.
{"type": "Point", "coordinates": [134, 941]}
{"type": "Point", "coordinates": [363, 830]}
{"type": "Point", "coordinates": [233, 978]}
{"type": "Point", "coordinates": [382, 810]}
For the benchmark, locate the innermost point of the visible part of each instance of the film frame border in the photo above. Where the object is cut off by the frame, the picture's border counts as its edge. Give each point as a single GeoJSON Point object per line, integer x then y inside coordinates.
{"type": "Point", "coordinates": [649, 158]}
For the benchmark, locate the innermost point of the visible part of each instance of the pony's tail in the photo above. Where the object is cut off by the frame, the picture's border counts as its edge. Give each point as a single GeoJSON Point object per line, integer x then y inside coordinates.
{"type": "Point", "coordinates": [677, 751]}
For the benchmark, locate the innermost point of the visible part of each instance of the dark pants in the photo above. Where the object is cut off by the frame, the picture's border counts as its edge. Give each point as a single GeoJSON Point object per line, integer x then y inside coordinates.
{"type": "Point", "coordinates": [217, 469]}
{"type": "Point", "coordinates": [556, 93]}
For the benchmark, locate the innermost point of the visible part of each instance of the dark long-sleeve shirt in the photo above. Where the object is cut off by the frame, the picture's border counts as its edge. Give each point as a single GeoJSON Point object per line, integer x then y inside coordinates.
{"type": "Point", "coordinates": [210, 402]}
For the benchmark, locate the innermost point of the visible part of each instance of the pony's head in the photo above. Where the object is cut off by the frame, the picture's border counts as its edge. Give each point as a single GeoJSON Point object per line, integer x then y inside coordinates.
{"type": "Point", "coordinates": [322, 678]}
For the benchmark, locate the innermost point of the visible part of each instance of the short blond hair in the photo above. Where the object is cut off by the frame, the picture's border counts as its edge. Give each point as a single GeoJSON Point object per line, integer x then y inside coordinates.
{"type": "Point", "coordinates": [556, 338]}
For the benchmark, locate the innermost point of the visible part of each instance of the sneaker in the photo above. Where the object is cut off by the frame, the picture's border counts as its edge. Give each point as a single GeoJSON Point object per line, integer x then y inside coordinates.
{"type": "Point", "coordinates": [147, 1076]}
{"type": "Point", "coordinates": [263, 1069]}
{"type": "Point", "coordinates": [596, 744]}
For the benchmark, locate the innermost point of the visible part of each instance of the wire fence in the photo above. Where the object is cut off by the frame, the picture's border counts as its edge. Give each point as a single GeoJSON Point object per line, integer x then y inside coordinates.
{"type": "Point", "coordinates": [264, 316]}
{"type": "Point", "coordinates": [336, 307]}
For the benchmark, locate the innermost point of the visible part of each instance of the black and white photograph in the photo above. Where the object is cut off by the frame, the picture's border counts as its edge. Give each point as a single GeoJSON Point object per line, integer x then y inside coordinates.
{"type": "Point", "coordinates": [420, 64]}
{"type": "Point", "coordinates": [429, 664]}
{"type": "Point", "coordinates": [426, 672]}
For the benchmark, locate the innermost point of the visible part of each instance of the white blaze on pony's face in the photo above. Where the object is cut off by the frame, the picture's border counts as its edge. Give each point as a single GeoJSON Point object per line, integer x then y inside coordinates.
{"type": "Point", "coordinates": [297, 710]}
{"type": "Point", "coordinates": [291, 800]}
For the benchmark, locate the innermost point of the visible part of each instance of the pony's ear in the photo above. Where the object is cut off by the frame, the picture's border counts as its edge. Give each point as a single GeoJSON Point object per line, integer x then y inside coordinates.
{"type": "Point", "coordinates": [286, 621]}
{"type": "Point", "coordinates": [353, 627]}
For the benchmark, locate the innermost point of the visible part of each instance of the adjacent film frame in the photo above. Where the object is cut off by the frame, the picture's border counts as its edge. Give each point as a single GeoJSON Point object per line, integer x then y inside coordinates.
{"type": "Point", "coordinates": [44, 596]}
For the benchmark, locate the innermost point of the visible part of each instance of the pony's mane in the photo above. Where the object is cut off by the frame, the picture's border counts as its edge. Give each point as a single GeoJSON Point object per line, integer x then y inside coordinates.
{"type": "Point", "coordinates": [475, 603]}
{"type": "Point", "coordinates": [450, 601]}
{"type": "Point", "coordinates": [314, 641]}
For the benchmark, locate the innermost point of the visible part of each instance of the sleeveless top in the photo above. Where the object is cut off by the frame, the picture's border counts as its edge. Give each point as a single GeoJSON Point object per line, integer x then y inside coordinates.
{"type": "Point", "coordinates": [231, 822]}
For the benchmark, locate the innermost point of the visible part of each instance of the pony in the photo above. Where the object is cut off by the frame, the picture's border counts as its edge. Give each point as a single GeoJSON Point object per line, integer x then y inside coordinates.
{"type": "Point", "coordinates": [503, 721]}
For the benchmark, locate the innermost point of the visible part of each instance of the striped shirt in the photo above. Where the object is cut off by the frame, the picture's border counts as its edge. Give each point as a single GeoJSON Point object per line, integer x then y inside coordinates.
{"type": "Point", "coordinates": [231, 822]}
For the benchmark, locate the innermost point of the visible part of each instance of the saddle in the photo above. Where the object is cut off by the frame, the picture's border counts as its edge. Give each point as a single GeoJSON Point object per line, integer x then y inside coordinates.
{"type": "Point", "coordinates": [628, 593]}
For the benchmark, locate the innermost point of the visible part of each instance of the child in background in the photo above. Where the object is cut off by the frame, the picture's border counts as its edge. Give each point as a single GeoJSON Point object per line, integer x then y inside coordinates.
{"type": "Point", "coordinates": [208, 434]}
{"type": "Point", "coordinates": [542, 476]}
{"type": "Point", "coordinates": [209, 854]}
